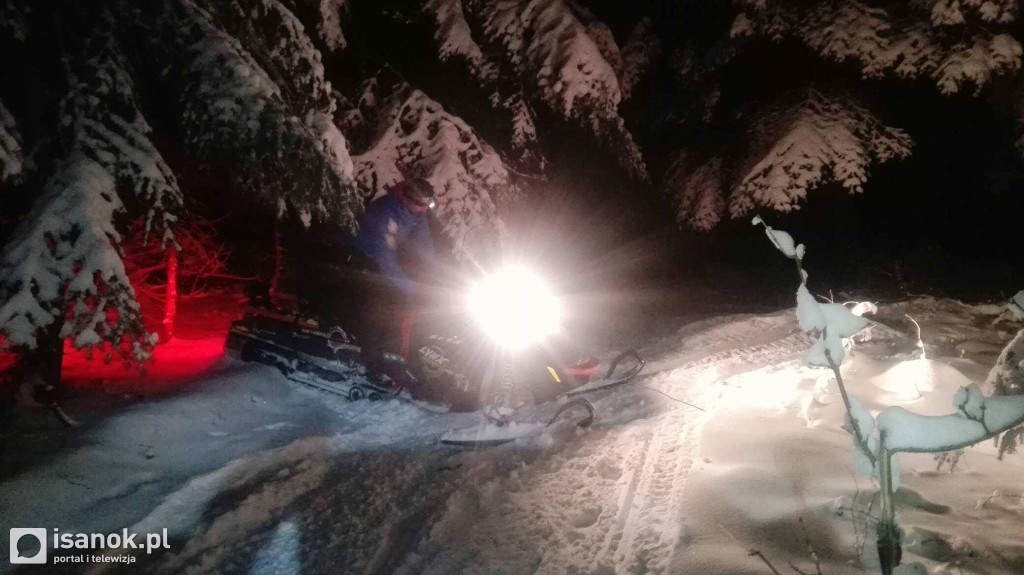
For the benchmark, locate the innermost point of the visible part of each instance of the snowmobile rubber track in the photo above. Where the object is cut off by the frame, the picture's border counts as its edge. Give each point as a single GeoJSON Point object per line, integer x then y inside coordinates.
{"type": "Point", "coordinates": [298, 369]}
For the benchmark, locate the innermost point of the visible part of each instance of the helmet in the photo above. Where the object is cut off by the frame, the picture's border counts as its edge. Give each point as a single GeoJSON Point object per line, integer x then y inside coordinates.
{"type": "Point", "coordinates": [417, 190]}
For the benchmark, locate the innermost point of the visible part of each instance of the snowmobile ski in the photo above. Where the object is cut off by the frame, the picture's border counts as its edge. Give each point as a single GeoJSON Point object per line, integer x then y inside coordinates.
{"type": "Point", "coordinates": [497, 433]}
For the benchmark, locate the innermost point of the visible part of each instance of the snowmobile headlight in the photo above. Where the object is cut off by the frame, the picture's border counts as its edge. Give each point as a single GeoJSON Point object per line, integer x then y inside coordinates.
{"type": "Point", "coordinates": [515, 308]}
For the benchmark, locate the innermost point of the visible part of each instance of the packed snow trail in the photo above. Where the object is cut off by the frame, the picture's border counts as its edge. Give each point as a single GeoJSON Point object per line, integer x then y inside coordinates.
{"type": "Point", "coordinates": [653, 486]}
{"type": "Point", "coordinates": [383, 497]}
{"type": "Point", "coordinates": [611, 500]}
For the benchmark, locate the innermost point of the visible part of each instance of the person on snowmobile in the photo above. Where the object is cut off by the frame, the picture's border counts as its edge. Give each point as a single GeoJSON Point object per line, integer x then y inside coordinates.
{"type": "Point", "coordinates": [377, 292]}
{"type": "Point", "coordinates": [393, 221]}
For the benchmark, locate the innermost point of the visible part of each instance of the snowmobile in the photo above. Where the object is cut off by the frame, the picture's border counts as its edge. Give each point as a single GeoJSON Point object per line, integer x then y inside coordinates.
{"type": "Point", "coordinates": [499, 355]}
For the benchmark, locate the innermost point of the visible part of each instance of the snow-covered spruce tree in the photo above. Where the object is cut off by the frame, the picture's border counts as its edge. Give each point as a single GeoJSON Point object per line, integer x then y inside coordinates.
{"type": "Point", "coordinates": [61, 275]}
{"type": "Point", "coordinates": [252, 89]}
{"type": "Point", "coordinates": [795, 147]}
{"type": "Point", "coordinates": [878, 440]}
{"type": "Point", "coordinates": [415, 136]}
{"type": "Point", "coordinates": [954, 45]}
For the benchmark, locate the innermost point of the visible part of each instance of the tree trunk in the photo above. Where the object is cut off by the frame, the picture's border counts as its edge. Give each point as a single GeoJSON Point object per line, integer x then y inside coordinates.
{"type": "Point", "coordinates": [889, 550]}
{"type": "Point", "coordinates": [49, 360]}
{"type": "Point", "coordinates": [171, 299]}
{"type": "Point", "coordinates": [42, 378]}
{"type": "Point", "coordinates": [275, 277]}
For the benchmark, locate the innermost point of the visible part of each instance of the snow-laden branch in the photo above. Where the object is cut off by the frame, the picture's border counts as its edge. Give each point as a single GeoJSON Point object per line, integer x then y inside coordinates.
{"type": "Point", "coordinates": [62, 264]}
{"type": "Point", "coordinates": [696, 189]}
{"type": "Point", "coordinates": [977, 418]}
{"type": "Point", "coordinates": [797, 145]}
{"type": "Point", "coordinates": [231, 65]}
{"type": "Point", "coordinates": [329, 24]}
{"type": "Point", "coordinates": [557, 56]}
{"type": "Point", "coordinates": [12, 159]}
{"type": "Point", "coordinates": [942, 44]}
{"type": "Point", "coordinates": [821, 138]}
{"type": "Point", "coordinates": [455, 39]}
{"type": "Point", "coordinates": [641, 49]}
{"type": "Point", "coordinates": [1006, 378]}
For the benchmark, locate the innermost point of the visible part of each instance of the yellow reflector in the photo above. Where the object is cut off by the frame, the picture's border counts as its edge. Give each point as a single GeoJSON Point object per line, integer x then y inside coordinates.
{"type": "Point", "coordinates": [554, 374]}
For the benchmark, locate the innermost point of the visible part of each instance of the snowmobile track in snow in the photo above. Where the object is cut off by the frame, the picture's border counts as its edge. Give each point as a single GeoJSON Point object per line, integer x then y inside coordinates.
{"type": "Point", "coordinates": [620, 486]}
{"type": "Point", "coordinates": [649, 527]}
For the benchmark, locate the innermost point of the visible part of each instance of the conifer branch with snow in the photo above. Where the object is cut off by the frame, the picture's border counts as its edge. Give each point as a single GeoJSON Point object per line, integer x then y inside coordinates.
{"type": "Point", "coordinates": [1007, 379]}
{"type": "Point", "coordinates": [555, 54]}
{"type": "Point", "coordinates": [927, 38]}
{"type": "Point", "coordinates": [232, 106]}
{"type": "Point", "coordinates": [12, 159]}
{"type": "Point", "coordinates": [820, 139]}
{"type": "Point", "coordinates": [101, 117]}
{"type": "Point", "coordinates": [638, 54]}
{"type": "Point", "coordinates": [62, 266]}
{"type": "Point", "coordinates": [796, 147]}
{"type": "Point", "coordinates": [455, 39]}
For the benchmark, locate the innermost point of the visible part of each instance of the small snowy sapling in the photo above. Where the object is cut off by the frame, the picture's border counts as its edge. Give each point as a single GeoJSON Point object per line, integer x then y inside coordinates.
{"type": "Point", "coordinates": [877, 440]}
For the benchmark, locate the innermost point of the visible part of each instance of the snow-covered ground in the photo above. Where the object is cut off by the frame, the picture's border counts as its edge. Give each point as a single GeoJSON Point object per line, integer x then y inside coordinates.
{"type": "Point", "coordinates": [251, 474]}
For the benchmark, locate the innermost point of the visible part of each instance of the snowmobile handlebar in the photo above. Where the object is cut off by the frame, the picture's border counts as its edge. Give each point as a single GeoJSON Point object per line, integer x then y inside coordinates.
{"type": "Point", "coordinates": [640, 363]}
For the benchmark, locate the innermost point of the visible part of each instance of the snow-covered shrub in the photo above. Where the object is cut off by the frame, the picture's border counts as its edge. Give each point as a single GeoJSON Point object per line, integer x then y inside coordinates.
{"type": "Point", "coordinates": [416, 136]}
{"type": "Point", "coordinates": [878, 440]}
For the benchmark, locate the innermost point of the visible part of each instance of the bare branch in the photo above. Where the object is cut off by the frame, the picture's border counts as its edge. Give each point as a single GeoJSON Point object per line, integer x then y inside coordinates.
{"type": "Point", "coordinates": [755, 552]}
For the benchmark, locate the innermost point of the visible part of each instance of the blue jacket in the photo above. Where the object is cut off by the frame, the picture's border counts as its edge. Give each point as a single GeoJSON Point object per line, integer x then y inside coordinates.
{"type": "Point", "coordinates": [385, 226]}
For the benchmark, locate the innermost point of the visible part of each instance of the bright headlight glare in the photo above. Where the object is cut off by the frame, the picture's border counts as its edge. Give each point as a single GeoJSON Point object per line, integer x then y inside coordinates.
{"type": "Point", "coordinates": [515, 308]}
